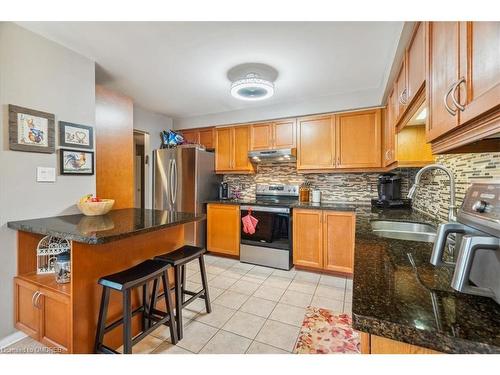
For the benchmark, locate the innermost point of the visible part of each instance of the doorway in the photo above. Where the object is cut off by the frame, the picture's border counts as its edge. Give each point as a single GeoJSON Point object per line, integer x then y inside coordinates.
{"type": "Point", "coordinates": [140, 168]}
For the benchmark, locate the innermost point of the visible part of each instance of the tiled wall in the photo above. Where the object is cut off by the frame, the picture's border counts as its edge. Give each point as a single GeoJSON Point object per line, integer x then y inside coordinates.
{"type": "Point", "coordinates": [433, 195]}
{"type": "Point", "coordinates": [335, 187]}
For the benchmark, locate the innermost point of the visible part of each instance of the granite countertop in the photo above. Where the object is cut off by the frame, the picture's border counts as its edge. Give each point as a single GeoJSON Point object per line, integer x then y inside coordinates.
{"type": "Point", "coordinates": [335, 206]}
{"type": "Point", "coordinates": [117, 224]}
{"type": "Point", "coordinates": [414, 303]}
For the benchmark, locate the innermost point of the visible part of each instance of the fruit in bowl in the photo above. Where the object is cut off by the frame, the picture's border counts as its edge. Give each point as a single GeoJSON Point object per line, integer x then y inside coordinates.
{"type": "Point", "coordinates": [94, 206]}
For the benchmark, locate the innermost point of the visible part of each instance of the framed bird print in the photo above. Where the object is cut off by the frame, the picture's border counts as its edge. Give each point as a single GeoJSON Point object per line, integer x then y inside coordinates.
{"type": "Point", "coordinates": [30, 130]}
{"type": "Point", "coordinates": [76, 135]}
{"type": "Point", "coordinates": [76, 162]}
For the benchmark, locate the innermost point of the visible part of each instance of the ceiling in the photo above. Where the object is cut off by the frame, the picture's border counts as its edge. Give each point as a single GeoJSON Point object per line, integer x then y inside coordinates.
{"type": "Point", "coordinates": [180, 68]}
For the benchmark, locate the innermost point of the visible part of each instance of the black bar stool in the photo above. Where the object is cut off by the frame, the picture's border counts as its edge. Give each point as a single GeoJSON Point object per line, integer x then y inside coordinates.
{"type": "Point", "coordinates": [178, 259]}
{"type": "Point", "coordinates": [138, 276]}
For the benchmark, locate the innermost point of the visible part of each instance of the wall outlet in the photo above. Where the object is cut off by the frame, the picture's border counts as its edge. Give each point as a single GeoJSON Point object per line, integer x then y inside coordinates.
{"type": "Point", "coordinates": [45, 174]}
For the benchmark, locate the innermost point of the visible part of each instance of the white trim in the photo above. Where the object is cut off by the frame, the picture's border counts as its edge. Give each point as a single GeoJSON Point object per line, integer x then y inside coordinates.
{"type": "Point", "coordinates": [12, 338]}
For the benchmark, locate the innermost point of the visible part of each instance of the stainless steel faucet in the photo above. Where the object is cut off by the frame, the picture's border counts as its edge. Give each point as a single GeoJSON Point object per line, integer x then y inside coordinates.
{"type": "Point", "coordinates": [452, 209]}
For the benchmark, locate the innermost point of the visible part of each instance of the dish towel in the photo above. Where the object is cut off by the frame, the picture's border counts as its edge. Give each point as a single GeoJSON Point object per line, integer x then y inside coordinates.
{"type": "Point", "coordinates": [249, 223]}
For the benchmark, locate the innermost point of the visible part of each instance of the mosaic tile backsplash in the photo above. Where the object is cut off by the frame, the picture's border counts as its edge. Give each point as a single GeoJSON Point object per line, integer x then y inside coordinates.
{"type": "Point", "coordinates": [335, 187]}
{"type": "Point", "coordinates": [432, 196]}
{"type": "Point", "coordinates": [434, 193]}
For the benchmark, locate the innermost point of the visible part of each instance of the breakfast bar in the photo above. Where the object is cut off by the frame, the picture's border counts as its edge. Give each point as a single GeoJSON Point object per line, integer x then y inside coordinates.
{"type": "Point", "coordinates": [64, 316]}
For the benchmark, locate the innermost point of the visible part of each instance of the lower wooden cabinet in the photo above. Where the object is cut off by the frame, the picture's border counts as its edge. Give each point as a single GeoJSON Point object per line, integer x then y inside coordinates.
{"type": "Point", "coordinates": [372, 344]}
{"type": "Point", "coordinates": [324, 239]}
{"type": "Point", "coordinates": [43, 314]}
{"type": "Point", "coordinates": [223, 229]}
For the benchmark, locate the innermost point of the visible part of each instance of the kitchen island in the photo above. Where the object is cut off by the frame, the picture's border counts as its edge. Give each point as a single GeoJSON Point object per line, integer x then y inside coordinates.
{"type": "Point", "coordinates": [403, 304]}
{"type": "Point", "coordinates": [64, 316]}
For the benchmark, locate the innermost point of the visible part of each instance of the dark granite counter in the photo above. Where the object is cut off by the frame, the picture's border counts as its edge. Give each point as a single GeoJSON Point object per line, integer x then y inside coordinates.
{"type": "Point", "coordinates": [309, 205]}
{"type": "Point", "coordinates": [115, 225]}
{"type": "Point", "coordinates": [398, 294]}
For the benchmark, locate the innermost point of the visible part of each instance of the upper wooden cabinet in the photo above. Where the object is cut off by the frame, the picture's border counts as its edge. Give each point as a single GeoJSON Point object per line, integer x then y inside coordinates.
{"type": "Point", "coordinates": [415, 63]}
{"type": "Point", "coordinates": [443, 73]}
{"type": "Point", "coordinates": [231, 150]}
{"type": "Point", "coordinates": [463, 72]}
{"type": "Point", "coordinates": [401, 90]}
{"type": "Point", "coordinates": [389, 135]}
{"type": "Point", "coordinates": [223, 228]}
{"type": "Point", "coordinates": [273, 135]}
{"type": "Point", "coordinates": [358, 139]}
{"type": "Point", "coordinates": [316, 142]}
{"type": "Point", "coordinates": [202, 136]}
{"type": "Point", "coordinates": [324, 240]}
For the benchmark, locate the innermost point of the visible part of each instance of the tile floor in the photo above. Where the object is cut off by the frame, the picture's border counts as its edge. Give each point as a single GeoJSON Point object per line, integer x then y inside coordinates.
{"type": "Point", "coordinates": [255, 310]}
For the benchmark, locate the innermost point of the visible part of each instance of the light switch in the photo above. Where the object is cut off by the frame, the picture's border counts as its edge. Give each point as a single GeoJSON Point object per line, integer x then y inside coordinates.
{"type": "Point", "coordinates": [45, 174]}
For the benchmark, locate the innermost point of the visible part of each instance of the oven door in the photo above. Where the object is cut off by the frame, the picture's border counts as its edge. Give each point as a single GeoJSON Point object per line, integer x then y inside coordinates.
{"type": "Point", "coordinates": [273, 228]}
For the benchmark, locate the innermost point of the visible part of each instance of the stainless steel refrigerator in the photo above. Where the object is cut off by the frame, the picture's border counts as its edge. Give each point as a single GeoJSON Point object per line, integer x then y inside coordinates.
{"type": "Point", "coordinates": [183, 180]}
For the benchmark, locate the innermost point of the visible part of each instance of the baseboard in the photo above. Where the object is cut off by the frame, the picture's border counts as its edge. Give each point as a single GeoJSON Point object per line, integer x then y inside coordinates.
{"type": "Point", "coordinates": [12, 338]}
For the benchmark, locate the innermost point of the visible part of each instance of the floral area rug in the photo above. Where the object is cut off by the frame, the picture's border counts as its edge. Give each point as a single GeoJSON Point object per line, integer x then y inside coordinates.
{"type": "Point", "coordinates": [323, 332]}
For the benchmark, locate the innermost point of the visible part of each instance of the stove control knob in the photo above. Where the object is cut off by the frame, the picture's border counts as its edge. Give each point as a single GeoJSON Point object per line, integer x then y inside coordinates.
{"type": "Point", "coordinates": [480, 206]}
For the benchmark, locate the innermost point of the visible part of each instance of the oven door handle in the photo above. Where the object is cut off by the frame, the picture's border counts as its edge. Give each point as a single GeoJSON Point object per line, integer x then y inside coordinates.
{"type": "Point", "coordinates": [280, 210]}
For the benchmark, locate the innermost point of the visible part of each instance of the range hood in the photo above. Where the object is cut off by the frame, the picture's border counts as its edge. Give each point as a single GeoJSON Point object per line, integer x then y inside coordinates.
{"type": "Point", "coordinates": [283, 155]}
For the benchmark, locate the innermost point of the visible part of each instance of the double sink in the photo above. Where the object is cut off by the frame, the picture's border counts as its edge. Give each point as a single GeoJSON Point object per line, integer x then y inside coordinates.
{"type": "Point", "coordinates": [402, 230]}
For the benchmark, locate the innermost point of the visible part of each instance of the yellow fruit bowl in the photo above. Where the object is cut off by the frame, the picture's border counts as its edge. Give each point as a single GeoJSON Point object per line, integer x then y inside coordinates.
{"type": "Point", "coordinates": [96, 208]}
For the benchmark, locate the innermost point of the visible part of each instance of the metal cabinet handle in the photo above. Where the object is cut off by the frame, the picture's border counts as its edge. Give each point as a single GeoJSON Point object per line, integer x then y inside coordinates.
{"type": "Point", "coordinates": [454, 92]}
{"type": "Point", "coordinates": [445, 100]}
{"type": "Point", "coordinates": [387, 154]}
{"type": "Point", "coordinates": [35, 295]}
{"type": "Point", "coordinates": [404, 97]}
{"type": "Point", "coordinates": [37, 299]}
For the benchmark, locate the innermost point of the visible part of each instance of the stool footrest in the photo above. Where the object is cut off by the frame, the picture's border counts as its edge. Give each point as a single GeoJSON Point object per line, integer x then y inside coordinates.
{"type": "Point", "coordinates": [195, 296]}
{"type": "Point", "coordinates": [117, 322]}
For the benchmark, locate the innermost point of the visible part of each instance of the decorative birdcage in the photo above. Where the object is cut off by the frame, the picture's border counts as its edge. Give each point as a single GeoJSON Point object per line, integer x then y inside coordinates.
{"type": "Point", "coordinates": [46, 253]}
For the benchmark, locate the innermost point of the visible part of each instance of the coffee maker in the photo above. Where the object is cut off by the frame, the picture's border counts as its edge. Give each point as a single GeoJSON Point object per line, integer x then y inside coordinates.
{"type": "Point", "coordinates": [389, 192]}
{"type": "Point", "coordinates": [223, 191]}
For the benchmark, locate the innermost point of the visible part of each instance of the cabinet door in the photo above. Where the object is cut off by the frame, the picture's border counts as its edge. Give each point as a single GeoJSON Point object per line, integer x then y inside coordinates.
{"type": "Point", "coordinates": [191, 136]}
{"type": "Point", "coordinates": [241, 146]}
{"type": "Point", "coordinates": [389, 154]}
{"type": "Point", "coordinates": [206, 137]}
{"type": "Point", "coordinates": [401, 90]}
{"type": "Point", "coordinates": [479, 67]}
{"type": "Point", "coordinates": [338, 241]}
{"type": "Point", "coordinates": [55, 320]}
{"type": "Point", "coordinates": [307, 238]}
{"type": "Point", "coordinates": [223, 229]}
{"type": "Point", "coordinates": [443, 56]}
{"type": "Point", "coordinates": [261, 136]}
{"type": "Point", "coordinates": [26, 315]}
{"type": "Point", "coordinates": [415, 63]}
{"type": "Point", "coordinates": [316, 142]}
{"type": "Point", "coordinates": [284, 134]}
{"type": "Point", "coordinates": [412, 148]}
{"type": "Point", "coordinates": [359, 139]}
{"type": "Point", "coordinates": [223, 149]}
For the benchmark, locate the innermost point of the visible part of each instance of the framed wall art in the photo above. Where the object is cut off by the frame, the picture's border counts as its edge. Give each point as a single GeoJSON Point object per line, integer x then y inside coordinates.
{"type": "Point", "coordinates": [31, 130]}
{"type": "Point", "coordinates": [76, 162]}
{"type": "Point", "coordinates": [76, 135]}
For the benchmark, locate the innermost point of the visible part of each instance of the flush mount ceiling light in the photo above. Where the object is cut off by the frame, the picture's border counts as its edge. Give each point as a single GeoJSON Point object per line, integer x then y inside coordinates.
{"type": "Point", "coordinates": [252, 88]}
{"type": "Point", "coordinates": [252, 81]}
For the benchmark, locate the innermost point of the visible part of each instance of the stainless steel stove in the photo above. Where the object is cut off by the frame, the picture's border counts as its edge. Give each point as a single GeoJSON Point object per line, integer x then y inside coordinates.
{"type": "Point", "coordinates": [271, 244]}
{"type": "Point", "coordinates": [477, 231]}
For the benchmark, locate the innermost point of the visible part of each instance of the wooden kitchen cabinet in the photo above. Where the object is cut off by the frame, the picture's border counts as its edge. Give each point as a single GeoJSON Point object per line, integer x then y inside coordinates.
{"type": "Point", "coordinates": [273, 135]}
{"type": "Point", "coordinates": [316, 142]}
{"type": "Point", "coordinates": [191, 136]}
{"type": "Point", "coordinates": [389, 135]}
{"type": "Point", "coordinates": [401, 91]}
{"type": "Point", "coordinates": [231, 150]}
{"type": "Point", "coordinates": [206, 138]}
{"type": "Point", "coordinates": [373, 344]}
{"type": "Point", "coordinates": [415, 63]}
{"type": "Point", "coordinates": [338, 241]}
{"type": "Point", "coordinates": [358, 139]}
{"type": "Point", "coordinates": [324, 240]}
{"type": "Point", "coordinates": [443, 73]}
{"type": "Point", "coordinates": [307, 238]}
{"type": "Point", "coordinates": [223, 229]}
{"type": "Point", "coordinates": [44, 314]}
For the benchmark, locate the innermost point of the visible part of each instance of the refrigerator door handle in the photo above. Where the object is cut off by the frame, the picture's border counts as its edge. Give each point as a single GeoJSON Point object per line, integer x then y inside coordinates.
{"type": "Point", "coordinates": [174, 183]}
{"type": "Point", "coordinates": [169, 190]}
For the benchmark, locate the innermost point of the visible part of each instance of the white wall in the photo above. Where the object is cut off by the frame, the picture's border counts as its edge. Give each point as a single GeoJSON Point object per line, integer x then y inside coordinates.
{"type": "Point", "coordinates": [38, 74]}
{"type": "Point", "coordinates": [152, 123]}
{"type": "Point", "coordinates": [340, 102]}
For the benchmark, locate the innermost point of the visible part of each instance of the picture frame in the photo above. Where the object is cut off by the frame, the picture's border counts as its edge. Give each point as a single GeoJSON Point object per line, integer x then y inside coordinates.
{"type": "Point", "coordinates": [76, 162]}
{"type": "Point", "coordinates": [31, 130]}
{"type": "Point", "coordinates": [76, 135]}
